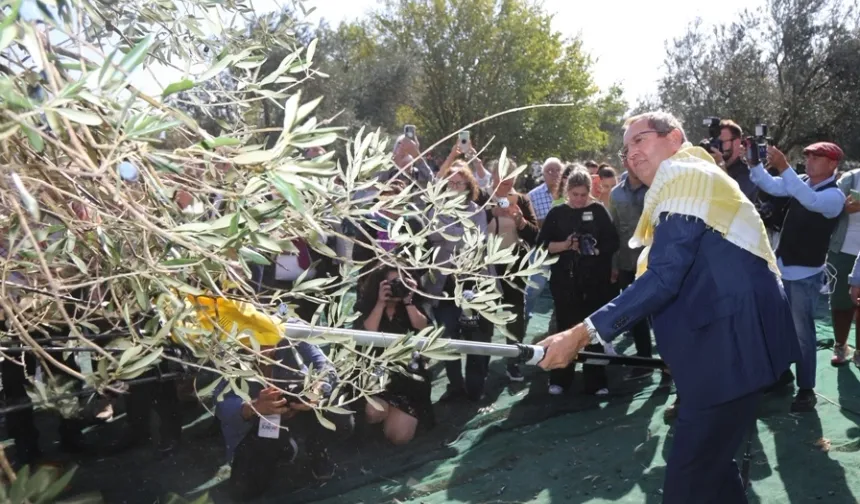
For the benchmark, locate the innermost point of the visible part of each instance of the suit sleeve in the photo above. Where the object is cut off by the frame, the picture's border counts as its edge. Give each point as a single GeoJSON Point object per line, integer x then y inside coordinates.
{"type": "Point", "coordinates": [676, 243]}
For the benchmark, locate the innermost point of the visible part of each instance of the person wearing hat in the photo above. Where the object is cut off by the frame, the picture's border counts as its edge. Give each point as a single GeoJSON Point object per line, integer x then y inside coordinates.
{"type": "Point", "coordinates": [816, 202]}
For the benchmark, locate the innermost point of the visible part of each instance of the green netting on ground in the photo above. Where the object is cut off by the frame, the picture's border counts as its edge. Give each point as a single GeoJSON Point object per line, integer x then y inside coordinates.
{"type": "Point", "coordinates": [522, 445]}
{"type": "Point", "coordinates": [528, 446]}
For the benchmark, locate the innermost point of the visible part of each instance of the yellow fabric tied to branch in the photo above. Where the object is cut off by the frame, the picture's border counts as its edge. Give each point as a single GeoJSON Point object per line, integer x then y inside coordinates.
{"type": "Point", "coordinates": [230, 314]}
{"type": "Point", "coordinates": [690, 183]}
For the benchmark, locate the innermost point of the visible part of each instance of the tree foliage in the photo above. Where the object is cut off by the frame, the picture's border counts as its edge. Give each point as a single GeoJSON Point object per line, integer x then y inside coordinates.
{"type": "Point", "coordinates": [443, 65]}
{"type": "Point", "coordinates": [792, 65]}
{"type": "Point", "coordinates": [368, 83]}
{"type": "Point", "coordinates": [480, 58]}
{"type": "Point", "coordinates": [95, 242]}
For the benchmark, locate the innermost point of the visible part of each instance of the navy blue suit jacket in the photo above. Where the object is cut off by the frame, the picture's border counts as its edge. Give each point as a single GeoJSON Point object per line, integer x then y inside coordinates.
{"type": "Point", "coordinates": [721, 318]}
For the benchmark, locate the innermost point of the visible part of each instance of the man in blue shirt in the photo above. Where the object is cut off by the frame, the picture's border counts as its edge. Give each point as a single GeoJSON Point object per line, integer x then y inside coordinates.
{"type": "Point", "coordinates": [813, 212]}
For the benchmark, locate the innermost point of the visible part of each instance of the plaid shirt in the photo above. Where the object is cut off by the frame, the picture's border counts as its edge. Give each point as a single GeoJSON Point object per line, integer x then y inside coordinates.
{"type": "Point", "coordinates": [541, 201]}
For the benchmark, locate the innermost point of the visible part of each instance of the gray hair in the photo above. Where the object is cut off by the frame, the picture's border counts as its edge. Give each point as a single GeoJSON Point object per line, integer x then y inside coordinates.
{"type": "Point", "coordinates": [579, 177]}
{"type": "Point", "coordinates": [550, 162]}
{"type": "Point", "coordinates": [661, 122]}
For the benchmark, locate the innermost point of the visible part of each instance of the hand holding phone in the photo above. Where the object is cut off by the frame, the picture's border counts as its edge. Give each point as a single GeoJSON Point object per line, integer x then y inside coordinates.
{"type": "Point", "coordinates": [464, 142]}
{"type": "Point", "coordinates": [271, 401]}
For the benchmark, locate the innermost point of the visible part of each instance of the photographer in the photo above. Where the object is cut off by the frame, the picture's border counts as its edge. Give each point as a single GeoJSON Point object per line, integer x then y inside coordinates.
{"type": "Point", "coordinates": [581, 233]}
{"type": "Point", "coordinates": [732, 157]}
{"type": "Point", "coordinates": [387, 305]}
{"type": "Point", "coordinates": [813, 213]}
{"type": "Point", "coordinates": [253, 431]}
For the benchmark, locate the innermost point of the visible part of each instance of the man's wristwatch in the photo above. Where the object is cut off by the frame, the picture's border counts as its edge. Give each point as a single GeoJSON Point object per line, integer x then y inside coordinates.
{"type": "Point", "coordinates": [592, 333]}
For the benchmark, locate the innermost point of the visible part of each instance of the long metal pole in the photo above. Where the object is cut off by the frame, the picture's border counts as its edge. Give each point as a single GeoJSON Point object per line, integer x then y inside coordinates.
{"type": "Point", "coordinates": [527, 354]}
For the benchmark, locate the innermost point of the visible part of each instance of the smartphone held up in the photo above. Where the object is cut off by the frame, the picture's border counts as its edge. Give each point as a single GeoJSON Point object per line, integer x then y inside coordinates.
{"type": "Point", "coordinates": [464, 141]}
{"type": "Point", "coordinates": [757, 145]}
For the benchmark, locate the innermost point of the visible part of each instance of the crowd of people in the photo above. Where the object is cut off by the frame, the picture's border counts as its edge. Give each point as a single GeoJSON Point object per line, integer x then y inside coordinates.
{"type": "Point", "coordinates": [583, 214]}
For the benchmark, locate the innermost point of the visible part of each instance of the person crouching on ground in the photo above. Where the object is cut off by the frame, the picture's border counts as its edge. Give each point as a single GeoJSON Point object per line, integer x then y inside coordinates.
{"type": "Point", "coordinates": [387, 305]}
{"type": "Point", "coordinates": [254, 431]}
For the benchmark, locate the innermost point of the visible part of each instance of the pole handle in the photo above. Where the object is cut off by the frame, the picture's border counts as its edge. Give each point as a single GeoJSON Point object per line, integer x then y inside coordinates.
{"type": "Point", "coordinates": [531, 355]}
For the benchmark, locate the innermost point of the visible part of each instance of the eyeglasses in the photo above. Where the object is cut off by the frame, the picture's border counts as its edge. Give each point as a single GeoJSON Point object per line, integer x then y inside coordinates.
{"type": "Point", "coordinates": [636, 140]}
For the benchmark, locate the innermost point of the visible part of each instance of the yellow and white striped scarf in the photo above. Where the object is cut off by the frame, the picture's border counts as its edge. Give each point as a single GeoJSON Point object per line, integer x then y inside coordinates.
{"type": "Point", "coordinates": [690, 183]}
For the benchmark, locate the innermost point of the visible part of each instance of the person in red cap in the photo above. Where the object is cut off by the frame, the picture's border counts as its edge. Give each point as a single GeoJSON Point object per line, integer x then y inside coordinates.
{"type": "Point", "coordinates": [815, 205]}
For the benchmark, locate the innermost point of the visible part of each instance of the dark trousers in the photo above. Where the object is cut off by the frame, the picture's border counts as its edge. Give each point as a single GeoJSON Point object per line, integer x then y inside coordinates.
{"type": "Point", "coordinates": [701, 466]}
{"type": "Point", "coordinates": [571, 308]}
{"type": "Point", "coordinates": [21, 424]}
{"type": "Point", "coordinates": [642, 331]}
{"type": "Point", "coordinates": [514, 295]}
{"type": "Point", "coordinates": [255, 462]}
{"type": "Point", "coordinates": [477, 366]}
{"type": "Point", "coordinates": [160, 397]}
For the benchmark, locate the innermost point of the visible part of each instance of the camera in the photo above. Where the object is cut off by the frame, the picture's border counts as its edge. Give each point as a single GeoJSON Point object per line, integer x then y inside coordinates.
{"type": "Point", "coordinates": [469, 321]}
{"type": "Point", "coordinates": [713, 141]}
{"type": "Point", "coordinates": [587, 243]}
{"type": "Point", "coordinates": [399, 290]}
{"type": "Point", "coordinates": [295, 393]}
{"type": "Point", "coordinates": [409, 131]}
{"type": "Point", "coordinates": [503, 202]}
{"type": "Point", "coordinates": [757, 145]}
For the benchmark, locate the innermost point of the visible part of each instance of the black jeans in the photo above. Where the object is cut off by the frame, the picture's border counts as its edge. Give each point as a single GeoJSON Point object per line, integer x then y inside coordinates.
{"type": "Point", "coordinates": [642, 331]}
{"type": "Point", "coordinates": [255, 462]}
{"type": "Point", "coordinates": [160, 397]}
{"type": "Point", "coordinates": [571, 308]}
{"type": "Point", "coordinates": [21, 424]}
{"type": "Point", "coordinates": [515, 296]}
{"type": "Point", "coordinates": [477, 366]}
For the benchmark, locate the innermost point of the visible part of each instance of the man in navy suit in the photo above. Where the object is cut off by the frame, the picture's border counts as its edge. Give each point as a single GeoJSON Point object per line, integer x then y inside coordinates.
{"type": "Point", "coordinates": [719, 312]}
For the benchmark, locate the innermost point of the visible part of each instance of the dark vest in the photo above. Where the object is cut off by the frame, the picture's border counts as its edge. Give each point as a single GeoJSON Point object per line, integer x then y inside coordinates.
{"type": "Point", "coordinates": [805, 235]}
